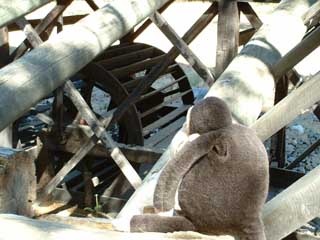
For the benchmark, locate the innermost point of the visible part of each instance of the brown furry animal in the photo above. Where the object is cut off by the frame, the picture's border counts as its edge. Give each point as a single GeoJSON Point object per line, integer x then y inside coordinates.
{"type": "Point", "coordinates": [223, 176]}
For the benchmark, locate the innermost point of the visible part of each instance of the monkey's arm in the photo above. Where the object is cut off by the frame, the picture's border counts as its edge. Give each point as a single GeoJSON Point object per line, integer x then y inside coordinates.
{"type": "Point", "coordinates": [174, 171]}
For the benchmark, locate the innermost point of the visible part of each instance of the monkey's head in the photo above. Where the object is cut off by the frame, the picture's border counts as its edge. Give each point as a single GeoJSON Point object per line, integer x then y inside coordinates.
{"type": "Point", "coordinates": [208, 115]}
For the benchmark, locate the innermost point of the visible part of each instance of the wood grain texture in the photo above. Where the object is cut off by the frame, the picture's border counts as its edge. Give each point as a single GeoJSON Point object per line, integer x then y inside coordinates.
{"type": "Point", "coordinates": [11, 10]}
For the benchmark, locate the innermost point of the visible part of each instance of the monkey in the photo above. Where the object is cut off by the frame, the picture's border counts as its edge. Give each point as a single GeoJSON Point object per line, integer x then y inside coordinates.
{"type": "Point", "coordinates": [221, 177]}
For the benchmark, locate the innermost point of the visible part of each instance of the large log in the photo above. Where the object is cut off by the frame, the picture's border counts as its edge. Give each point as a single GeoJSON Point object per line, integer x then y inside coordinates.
{"type": "Point", "coordinates": [17, 227]}
{"type": "Point", "coordinates": [244, 85]}
{"type": "Point", "coordinates": [17, 181]}
{"type": "Point", "coordinates": [12, 10]}
{"type": "Point", "coordinates": [48, 66]}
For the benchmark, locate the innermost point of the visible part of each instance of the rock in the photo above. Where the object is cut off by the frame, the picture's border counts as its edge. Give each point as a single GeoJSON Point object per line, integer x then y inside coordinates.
{"type": "Point", "coordinates": [298, 128]}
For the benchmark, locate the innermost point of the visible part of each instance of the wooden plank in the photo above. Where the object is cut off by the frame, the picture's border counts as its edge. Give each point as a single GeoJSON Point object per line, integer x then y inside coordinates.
{"type": "Point", "coordinates": [31, 229]}
{"type": "Point", "coordinates": [165, 103]}
{"type": "Point", "coordinates": [92, 4]}
{"type": "Point", "coordinates": [246, 35]}
{"type": "Point", "coordinates": [250, 14]}
{"type": "Point", "coordinates": [297, 54]}
{"type": "Point", "coordinates": [228, 34]}
{"type": "Point", "coordinates": [172, 128]}
{"type": "Point", "coordinates": [165, 119]}
{"type": "Point", "coordinates": [184, 49]}
{"type": "Point", "coordinates": [278, 141]}
{"type": "Point", "coordinates": [122, 61]}
{"type": "Point", "coordinates": [12, 10]}
{"type": "Point", "coordinates": [51, 64]}
{"type": "Point", "coordinates": [283, 113]}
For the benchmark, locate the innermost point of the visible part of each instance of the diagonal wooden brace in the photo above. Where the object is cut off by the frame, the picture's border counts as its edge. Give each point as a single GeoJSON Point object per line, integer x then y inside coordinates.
{"type": "Point", "coordinates": [184, 49]}
{"type": "Point", "coordinates": [94, 123]}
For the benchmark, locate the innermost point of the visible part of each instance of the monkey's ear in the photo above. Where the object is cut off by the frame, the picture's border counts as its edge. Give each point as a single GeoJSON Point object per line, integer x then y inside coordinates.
{"type": "Point", "coordinates": [221, 149]}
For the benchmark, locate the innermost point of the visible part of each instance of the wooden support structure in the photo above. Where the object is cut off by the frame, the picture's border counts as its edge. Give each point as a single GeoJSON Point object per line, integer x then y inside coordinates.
{"type": "Point", "coordinates": [91, 119]}
{"type": "Point", "coordinates": [184, 49]}
{"type": "Point", "coordinates": [6, 134]}
{"type": "Point", "coordinates": [17, 181]}
{"type": "Point", "coordinates": [48, 66]}
{"type": "Point", "coordinates": [43, 28]}
{"type": "Point", "coordinates": [243, 88]}
{"type": "Point", "coordinates": [30, 229]}
{"type": "Point", "coordinates": [228, 34]}
{"type": "Point", "coordinates": [12, 10]}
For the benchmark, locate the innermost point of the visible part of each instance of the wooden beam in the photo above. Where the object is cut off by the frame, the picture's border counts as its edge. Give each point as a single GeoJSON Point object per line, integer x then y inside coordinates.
{"type": "Point", "coordinates": [17, 181]}
{"type": "Point", "coordinates": [6, 134]}
{"type": "Point", "coordinates": [48, 66]}
{"type": "Point", "coordinates": [14, 9]}
{"type": "Point", "coordinates": [297, 54]}
{"type": "Point", "coordinates": [284, 112]}
{"type": "Point", "coordinates": [228, 34]}
{"type": "Point", "coordinates": [183, 48]}
{"type": "Point", "coordinates": [243, 86]}
{"type": "Point", "coordinates": [30, 229]}
{"type": "Point", "coordinates": [293, 207]}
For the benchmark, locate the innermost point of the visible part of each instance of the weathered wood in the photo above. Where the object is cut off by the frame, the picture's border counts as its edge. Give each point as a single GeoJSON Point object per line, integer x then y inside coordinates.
{"type": "Point", "coordinates": [165, 120]}
{"type": "Point", "coordinates": [184, 49]}
{"type": "Point", "coordinates": [67, 20]}
{"type": "Point", "coordinates": [77, 138]}
{"type": "Point", "coordinates": [44, 27]}
{"type": "Point", "coordinates": [246, 89]}
{"type": "Point", "coordinates": [146, 24]}
{"type": "Point", "coordinates": [6, 134]}
{"type": "Point", "coordinates": [92, 4]}
{"type": "Point", "coordinates": [295, 55]}
{"type": "Point", "coordinates": [293, 207]}
{"type": "Point", "coordinates": [12, 10]}
{"type": "Point", "coordinates": [284, 112]}
{"type": "Point", "coordinates": [91, 119]}
{"type": "Point", "coordinates": [250, 14]}
{"type": "Point", "coordinates": [243, 86]}
{"type": "Point", "coordinates": [30, 229]}
{"type": "Point", "coordinates": [17, 181]}
{"type": "Point", "coordinates": [278, 141]}
{"type": "Point", "coordinates": [228, 34]}
{"type": "Point", "coordinates": [48, 66]}
{"type": "Point", "coordinates": [165, 132]}
{"type": "Point", "coordinates": [246, 35]}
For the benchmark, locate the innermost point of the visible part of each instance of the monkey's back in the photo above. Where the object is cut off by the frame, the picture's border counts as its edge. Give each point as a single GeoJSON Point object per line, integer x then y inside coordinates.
{"type": "Point", "coordinates": [227, 196]}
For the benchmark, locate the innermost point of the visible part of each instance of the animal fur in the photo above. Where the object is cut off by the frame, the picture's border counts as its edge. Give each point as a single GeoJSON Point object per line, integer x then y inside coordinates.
{"type": "Point", "coordinates": [223, 177]}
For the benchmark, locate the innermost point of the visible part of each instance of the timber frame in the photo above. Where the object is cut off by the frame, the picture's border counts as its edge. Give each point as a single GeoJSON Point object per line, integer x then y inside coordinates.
{"type": "Point", "coordinates": [95, 137]}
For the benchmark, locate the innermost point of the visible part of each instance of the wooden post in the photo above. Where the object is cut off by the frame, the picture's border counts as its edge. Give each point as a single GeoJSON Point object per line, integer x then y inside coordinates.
{"type": "Point", "coordinates": [228, 34]}
{"type": "Point", "coordinates": [6, 134]}
{"type": "Point", "coordinates": [17, 181]}
{"type": "Point", "coordinates": [243, 86]}
{"type": "Point", "coordinates": [48, 66]}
